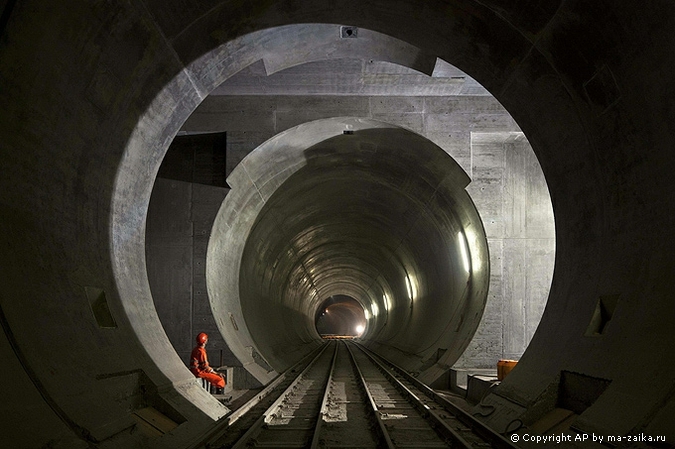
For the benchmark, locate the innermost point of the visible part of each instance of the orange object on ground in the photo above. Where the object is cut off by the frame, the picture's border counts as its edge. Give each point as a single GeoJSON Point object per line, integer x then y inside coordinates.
{"type": "Point", "coordinates": [199, 365]}
{"type": "Point", "coordinates": [504, 367]}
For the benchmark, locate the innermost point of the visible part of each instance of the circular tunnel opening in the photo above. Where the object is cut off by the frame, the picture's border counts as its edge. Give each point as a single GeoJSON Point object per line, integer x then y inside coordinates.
{"type": "Point", "coordinates": [340, 316]}
{"type": "Point", "coordinates": [379, 214]}
{"type": "Point", "coordinates": [421, 265]}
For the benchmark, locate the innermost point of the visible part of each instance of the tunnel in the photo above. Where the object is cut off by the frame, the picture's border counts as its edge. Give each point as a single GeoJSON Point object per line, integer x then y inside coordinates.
{"type": "Point", "coordinates": [349, 217]}
{"type": "Point", "coordinates": [340, 316]}
{"type": "Point", "coordinates": [94, 95]}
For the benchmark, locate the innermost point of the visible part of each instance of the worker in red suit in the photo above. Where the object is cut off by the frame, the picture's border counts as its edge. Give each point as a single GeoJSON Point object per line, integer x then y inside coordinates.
{"type": "Point", "coordinates": [199, 364]}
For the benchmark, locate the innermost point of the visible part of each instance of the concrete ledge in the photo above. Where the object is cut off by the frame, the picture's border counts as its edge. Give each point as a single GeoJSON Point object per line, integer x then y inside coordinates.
{"type": "Point", "coordinates": [478, 386]}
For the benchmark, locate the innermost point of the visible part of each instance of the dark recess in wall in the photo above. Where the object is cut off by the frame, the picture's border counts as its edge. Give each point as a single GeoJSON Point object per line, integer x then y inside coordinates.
{"type": "Point", "coordinates": [578, 391]}
{"type": "Point", "coordinates": [198, 159]}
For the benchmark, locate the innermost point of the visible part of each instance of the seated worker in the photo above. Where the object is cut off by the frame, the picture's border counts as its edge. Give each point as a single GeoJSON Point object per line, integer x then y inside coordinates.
{"type": "Point", "coordinates": [199, 364]}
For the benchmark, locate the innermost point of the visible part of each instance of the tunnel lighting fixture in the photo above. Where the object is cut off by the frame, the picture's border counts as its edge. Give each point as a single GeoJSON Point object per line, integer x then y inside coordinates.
{"type": "Point", "coordinates": [472, 240]}
{"type": "Point", "coordinates": [387, 304]}
{"type": "Point", "coordinates": [366, 314]}
{"type": "Point", "coordinates": [374, 309]}
{"type": "Point", "coordinates": [360, 328]}
{"type": "Point", "coordinates": [411, 285]}
{"type": "Point", "coordinates": [465, 252]}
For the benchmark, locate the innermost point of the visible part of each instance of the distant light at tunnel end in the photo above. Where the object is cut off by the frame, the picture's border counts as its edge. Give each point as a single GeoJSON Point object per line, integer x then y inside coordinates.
{"type": "Point", "coordinates": [359, 329]}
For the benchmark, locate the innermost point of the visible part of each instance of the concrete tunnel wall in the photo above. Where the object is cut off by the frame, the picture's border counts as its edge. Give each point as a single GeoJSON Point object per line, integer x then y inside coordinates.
{"type": "Point", "coordinates": [507, 187]}
{"type": "Point", "coordinates": [92, 95]}
{"type": "Point", "coordinates": [380, 215]}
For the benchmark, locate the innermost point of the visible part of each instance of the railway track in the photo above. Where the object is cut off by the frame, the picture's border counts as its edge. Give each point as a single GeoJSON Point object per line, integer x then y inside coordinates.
{"type": "Point", "coordinates": [347, 397]}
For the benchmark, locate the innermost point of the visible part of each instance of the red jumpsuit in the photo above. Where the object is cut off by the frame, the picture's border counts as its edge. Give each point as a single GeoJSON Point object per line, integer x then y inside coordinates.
{"type": "Point", "coordinates": [199, 365]}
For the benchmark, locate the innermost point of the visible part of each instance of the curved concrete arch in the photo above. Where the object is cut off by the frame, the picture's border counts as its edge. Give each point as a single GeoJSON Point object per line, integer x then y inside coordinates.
{"type": "Point", "coordinates": [370, 45]}
{"type": "Point", "coordinates": [94, 86]}
{"type": "Point", "coordinates": [393, 197]}
{"type": "Point", "coordinates": [187, 90]}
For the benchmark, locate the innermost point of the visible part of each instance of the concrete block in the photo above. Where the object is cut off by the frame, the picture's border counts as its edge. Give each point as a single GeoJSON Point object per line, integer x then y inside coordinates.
{"type": "Point", "coordinates": [478, 387]}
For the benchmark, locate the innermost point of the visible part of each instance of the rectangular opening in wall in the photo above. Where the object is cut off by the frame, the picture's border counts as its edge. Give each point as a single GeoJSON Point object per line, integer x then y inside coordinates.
{"type": "Point", "coordinates": [602, 315]}
{"type": "Point", "coordinates": [559, 406]}
{"type": "Point", "coordinates": [197, 158]}
{"type": "Point", "coordinates": [99, 307]}
{"type": "Point", "coordinates": [577, 391]}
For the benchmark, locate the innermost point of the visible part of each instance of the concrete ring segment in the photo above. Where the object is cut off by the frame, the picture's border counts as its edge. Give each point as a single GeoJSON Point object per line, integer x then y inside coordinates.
{"type": "Point", "coordinates": [377, 212]}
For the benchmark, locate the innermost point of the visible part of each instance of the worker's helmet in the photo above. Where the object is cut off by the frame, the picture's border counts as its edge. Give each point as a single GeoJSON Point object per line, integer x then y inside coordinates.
{"type": "Point", "coordinates": [201, 338]}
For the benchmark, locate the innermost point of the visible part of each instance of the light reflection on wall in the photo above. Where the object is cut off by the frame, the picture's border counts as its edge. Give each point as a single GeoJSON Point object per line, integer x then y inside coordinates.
{"type": "Point", "coordinates": [464, 252]}
{"type": "Point", "coordinates": [411, 286]}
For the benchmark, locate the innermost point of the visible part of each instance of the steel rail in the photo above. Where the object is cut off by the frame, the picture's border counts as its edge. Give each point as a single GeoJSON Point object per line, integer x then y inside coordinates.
{"type": "Point", "coordinates": [324, 401]}
{"type": "Point", "coordinates": [478, 427]}
{"type": "Point", "coordinates": [424, 409]}
{"type": "Point", "coordinates": [229, 419]}
{"type": "Point", "coordinates": [243, 440]}
{"type": "Point", "coordinates": [384, 434]}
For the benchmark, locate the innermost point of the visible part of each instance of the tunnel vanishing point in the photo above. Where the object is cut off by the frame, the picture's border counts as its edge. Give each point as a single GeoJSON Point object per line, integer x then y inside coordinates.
{"type": "Point", "coordinates": [94, 93]}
